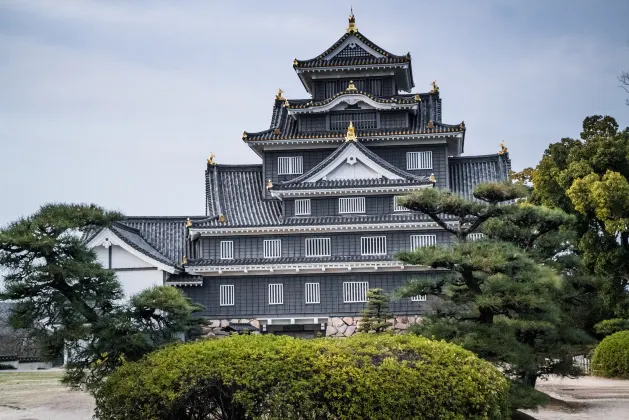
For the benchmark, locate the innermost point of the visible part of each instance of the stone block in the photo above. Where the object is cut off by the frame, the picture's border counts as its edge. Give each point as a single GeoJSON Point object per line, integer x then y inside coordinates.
{"type": "Point", "coordinates": [234, 321]}
{"type": "Point", "coordinates": [224, 323]}
{"type": "Point", "coordinates": [350, 331]}
{"type": "Point", "coordinates": [348, 320]}
{"type": "Point", "coordinates": [244, 321]}
{"type": "Point", "coordinates": [330, 331]}
{"type": "Point", "coordinates": [255, 323]}
{"type": "Point", "coordinates": [214, 323]}
{"type": "Point", "coordinates": [342, 329]}
{"type": "Point", "coordinates": [337, 322]}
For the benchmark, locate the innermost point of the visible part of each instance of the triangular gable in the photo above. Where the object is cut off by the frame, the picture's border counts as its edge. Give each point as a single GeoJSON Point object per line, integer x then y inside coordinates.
{"type": "Point", "coordinates": [352, 47]}
{"type": "Point", "coordinates": [352, 163]}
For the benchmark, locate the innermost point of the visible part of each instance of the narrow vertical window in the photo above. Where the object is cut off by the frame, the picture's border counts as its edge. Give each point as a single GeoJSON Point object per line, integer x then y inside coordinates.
{"type": "Point", "coordinates": [290, 165]}
{"type": "Point", "coordinates": [317, 247]}
{"type": "Point", "coordinates": [373, 245]}
{"type": "Point", "coordinates": [272, 248]}
{"type": "Point", "coordinates": [352, 205]}
{"type": "Point", "coordinates": [312, 293]}
{"type": "Point", "coordinates": [418, 160]}
{"type": "Point", "coordinates": [227, 250]}
{"type": "Point", "coordinates": [355, 291]}
{"type": "Point", "coordinates": [302, 207]}
{"type": "Point", "coordinates": [475, 236]}
{"type": "Point", "coordinates": [421, 241]}
{"type": "Point", "coordinates": [276, 294]}
{"type": "Point", "coordinates": [226, 295]}
{"type": "Point", "coordinates": [418, 298]}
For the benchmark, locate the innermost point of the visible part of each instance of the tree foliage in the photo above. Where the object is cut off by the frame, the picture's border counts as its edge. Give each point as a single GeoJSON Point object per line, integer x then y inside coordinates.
{"type": "Point", "coordinates": [611, 357]}
{"type": "Point", "coordinates": [376, 315]}
{"type": "Point", "coordinates": [68, 301]}
{"type": "Point", "coordinates": [366, 376]}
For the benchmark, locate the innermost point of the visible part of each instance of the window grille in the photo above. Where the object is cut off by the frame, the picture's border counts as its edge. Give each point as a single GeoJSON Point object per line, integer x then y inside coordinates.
{"type": "Point", "coordinates": [352, 205]}
{"type": "Point", "coordinates": [312, 123]}
{"type": "Point", "coordinates": [355, 291]}
{"type": "Point", "coordinates": [290, 165]}
{"type": "Point", "coordinates": [226, 295]}
{"type": "Point", "coordinates": [418, 298]}
{"type": "Point", "coordinates": [373, 245]}
{"type": "Point", "coordinates": [276, 294]}
{"type": "Point", "coordinates": [393, 120]}
{"type": "Point", "coordinates": [418, 160]}
{"type": "Point", "coordinates": [475, 236]}
{"type": "Point", "coordinates": [227, 250]}
{"type": "Point", "coordinates": [421, 241]}
{"type": "Point", "coordinates": [352, 50]}
{"type": "Point", "coordinates": [302, 207]}
{"type": "Point", "coordinates": [361, 120]}
{"type": "Point", "coordinates": [272, 248]}
{"type": "Point", "coordinates": [317, 247]}
{"type": "Point", "coordinates": [328, 88]}
{"type": "Point", "coordinates": [312, 293]}
{"type": "Point", "coordinates": [396, 206]}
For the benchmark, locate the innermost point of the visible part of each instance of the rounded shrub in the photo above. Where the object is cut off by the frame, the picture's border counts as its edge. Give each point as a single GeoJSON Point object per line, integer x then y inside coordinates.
{"type": "Point", "coordinates": [367, 376]}
{"type": "Point", "coordinates": [611, 357]}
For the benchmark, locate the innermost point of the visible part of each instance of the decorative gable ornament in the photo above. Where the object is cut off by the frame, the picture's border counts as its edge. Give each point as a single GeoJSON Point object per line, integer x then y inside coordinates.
{"type": "Point", "coordinates": [351, 24]}
{"type": "Point", "coordinates": [351, 133]}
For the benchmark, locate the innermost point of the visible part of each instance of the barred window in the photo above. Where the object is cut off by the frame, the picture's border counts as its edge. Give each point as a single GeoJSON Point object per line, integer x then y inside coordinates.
{"type": "Point", "coordinates": [418, 160]}
{"type": "Point", "coordinates": [393, 120]}
{"type": "Point", "coordinates": [227, 250]}
{"type": "Point", "coordinates": [272, 248]}
{"type": "Point", "coordinates": [373, 245]}
{"type": "Point", "coordinates": [418, 298]}
{"type": "Point", "coordinates": [317, 247]}
{"type": "Point", "coordinates": [396, 206]}
{"type": "Point", "coordinates": [352, 205]}
{"type": "Point", "coordinates": [276, 294]}
{"type": "Point", "coordinates": [226, 295]}
{"type": "Point", "coordinates": [355, 291]}
{"type": "Point", "coordinates": [312, 293]}
{"type": "Point", "coordinates": [309, 123]}
{"type": "Point", "coordinates": [302, 207]}
{"type": "Point", "coordinates": [361, 120]}
{"type": "Point", "coordinates": [475, 236]}
{"type": "Point", "coordinates": [421, 241]}
{"type": "Point", "coordinates": [290, 165]}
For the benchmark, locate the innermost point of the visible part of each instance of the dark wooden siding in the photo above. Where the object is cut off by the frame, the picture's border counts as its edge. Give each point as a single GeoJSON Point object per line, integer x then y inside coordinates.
{"type": "Point", "coordinates": [397, 156]}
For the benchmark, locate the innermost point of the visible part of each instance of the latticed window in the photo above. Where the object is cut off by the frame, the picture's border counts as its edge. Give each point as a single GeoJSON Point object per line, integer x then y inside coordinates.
{"type": "Point", "coordinates": [276, 294]}
{"type": "Point", "coordinates": [361, 120]}
{"type": "Point", "coordinates": [272, 248]}
{"type": "Point", "coordinates": [396, 206]}
{"type": "Point", "coordinates": [475, 236]}
{"type": "Point", "coordinates": [290, 165]}
{"type": "Point", "coordinates": [394, 120]}
{"type": "Point", "coordinates": [312, 293]}
{"type": "Point", "coordinates": [355, 291]}
{"type": "Point", "coordinates": [226, 295]}
{"type": "Point", "coordinates": [328, 88]}
{"type": "Point", "coordinates": [302, 207]}
{"type": "Point", "coordinates": [317, 247]}
{"type": "Point", "coordinates": [421, 241]}
{"type": "Point", "coordinates": [352, 50]}
{"type": "Point", "coordinates": [373, 245]}
{"type": "Point", "coordinates": [309, 123]}
{"type": "Point", "coordinates": [418, 160]}
{"type": "Point", "coordinates": [418, 298]}
{"type": "Point", "coordinates": [227, 250]}
{"type": "Point", "coordinates": [352, 205]}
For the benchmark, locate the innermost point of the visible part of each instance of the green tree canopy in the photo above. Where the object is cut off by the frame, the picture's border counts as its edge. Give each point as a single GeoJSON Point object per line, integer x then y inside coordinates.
{"type": "Point", "coordinates": [376, 315]}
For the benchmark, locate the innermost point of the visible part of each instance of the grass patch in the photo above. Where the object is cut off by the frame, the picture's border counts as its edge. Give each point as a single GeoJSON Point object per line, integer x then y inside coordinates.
{"type": "Point", "coordinates": [7, 377]}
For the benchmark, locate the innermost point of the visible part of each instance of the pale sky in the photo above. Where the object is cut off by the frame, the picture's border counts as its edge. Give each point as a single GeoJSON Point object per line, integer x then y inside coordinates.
{"type": "Point", "coordinates": [120, 102]}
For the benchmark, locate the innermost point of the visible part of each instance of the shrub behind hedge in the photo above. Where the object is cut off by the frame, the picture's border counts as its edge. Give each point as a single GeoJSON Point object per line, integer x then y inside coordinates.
{"type": "Point", "coordinates": [611, 357]}
{"type": "Point", "coordinates": [364, 377]}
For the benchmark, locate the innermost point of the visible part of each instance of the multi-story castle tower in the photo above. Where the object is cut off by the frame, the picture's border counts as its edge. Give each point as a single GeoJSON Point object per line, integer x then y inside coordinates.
{"type": "Point", "coordinates": [296, 241]}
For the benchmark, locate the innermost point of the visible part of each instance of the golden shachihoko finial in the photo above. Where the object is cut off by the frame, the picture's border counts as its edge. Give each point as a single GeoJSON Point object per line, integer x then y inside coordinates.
{"type": "Point", "coordinates": [188, 222]}
{"type": "Point", "coordinates": [351, 132]}
{"type": "Point", "coordinates": [184, 261]}
{"type": "Point", "coordinates": [210, 160]}
{"type": "Point", "coordinates": [351, 87]}
{"type": "Point", "coordinates": [418, 98]}
{"type": "Point", "coordinates": [435, 88]}
{"type": "Point", "coordinates": [269, 184]}
{"type": "Point", "coordinates": [278, 95]}
{"type": "Point", "coordinates": [503, 149]}
{"type": "Point", "coordinates": [351, 25]}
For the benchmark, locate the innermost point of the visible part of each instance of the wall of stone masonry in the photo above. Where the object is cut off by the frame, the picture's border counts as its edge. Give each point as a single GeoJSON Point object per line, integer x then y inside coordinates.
{"type": "Point", "coordinates": [337, 327]}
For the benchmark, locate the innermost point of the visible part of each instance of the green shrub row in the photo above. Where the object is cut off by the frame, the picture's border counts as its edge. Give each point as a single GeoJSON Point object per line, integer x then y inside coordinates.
{"type": "Point", "coordinates": [367, 376]}
{"type": "Point", "coordinates": [611, 357]}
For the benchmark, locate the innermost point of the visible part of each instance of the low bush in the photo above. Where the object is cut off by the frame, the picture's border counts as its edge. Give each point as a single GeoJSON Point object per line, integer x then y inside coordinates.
{"type": "Point", "coordinates": [610, 326]}
{"type": "Point", "coordinates": [611, 357]}
{"type": "Point", "coordinates": [367, 376]}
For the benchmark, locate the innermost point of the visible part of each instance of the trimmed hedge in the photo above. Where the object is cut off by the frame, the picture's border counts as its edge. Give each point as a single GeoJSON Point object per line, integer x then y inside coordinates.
{"type": "Point", "coordinates": [611, 357]}
{"type": "Point", "coordinates": [367, 376]}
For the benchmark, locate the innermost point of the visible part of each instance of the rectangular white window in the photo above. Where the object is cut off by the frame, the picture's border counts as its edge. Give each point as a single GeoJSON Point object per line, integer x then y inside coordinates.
{"type": "Point", "coordinates": [475, 236]}
{"type": "Point", "coordinates": [227, 250]}
{"type": "Point", "coordinates": [352, 205]}
{"type": "Point", "coordinates": [290, 165]}
{"type": "Point", "coordinates": [312, 292]}
{"type": "Point", "coordinates": [276, 294]}
{"type": "Point", "coordinates": [396, 206]}
{"type": "Point", "coordinates": [418, 160]}
{"type": "Point", "coordinates": [373, 245]}
{"type": "Point", "coordinates": [355, 291]}
{"type": "Point", "coordinates": [421, 241]}
{"type": "Point", "coordinates": [302, 207]}
{"type": "Point", "coordinates": [418, 298]}
{"type": "Point", "coordinates": [272, 248]}
{"type": "Point", "coordinates": [226, 295]}
{"type": "Point", "coordinates": [318, 247]}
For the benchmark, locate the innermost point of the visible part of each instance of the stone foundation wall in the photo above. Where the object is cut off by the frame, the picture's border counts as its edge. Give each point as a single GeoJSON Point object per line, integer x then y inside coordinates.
{"type": "Point", "coordinates": [337, 327]}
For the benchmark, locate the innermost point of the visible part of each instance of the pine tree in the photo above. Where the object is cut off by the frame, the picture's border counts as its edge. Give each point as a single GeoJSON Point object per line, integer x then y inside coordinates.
{"type": "Point", "coordinates": [376, 315]}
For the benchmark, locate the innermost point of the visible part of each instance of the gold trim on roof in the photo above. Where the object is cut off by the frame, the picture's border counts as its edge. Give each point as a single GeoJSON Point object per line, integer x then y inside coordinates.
{"type": "Point", "coordinates": [432, 178]}
{"type": "Point", "coordinates": [269, 184]}
{"type": "Point", "coordinates": [221, 218]}
{"type": "Point", "coordinates": [435, 88]}
{"type": "Point", "coordinates": [351, 23]}
{"type": "Point", "coordinates": [295, 62]}
{"type": "Point", "coordinates": [351, 132]}
{"type": "Point", "coordinates": [184, 261]}
{"type": "Point", "coordinates": [418, 98]}
{"type": "Point", "coordinates": [210, 160]}
{"type": "Point", "coordinates": [188, 222]}
{"type": "Point", "coordinates": [278, 95]}
{"type": "Point", "coordinates": [430, 125]}
{"type": "Point", "coordinates": [351, 87]}
{"type": "Point", "coordinates": [503, 149]}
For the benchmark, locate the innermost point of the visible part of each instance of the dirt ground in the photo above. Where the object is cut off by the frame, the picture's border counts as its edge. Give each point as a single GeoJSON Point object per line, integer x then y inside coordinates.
{"type": "Point", "coordinates": [40, 396]}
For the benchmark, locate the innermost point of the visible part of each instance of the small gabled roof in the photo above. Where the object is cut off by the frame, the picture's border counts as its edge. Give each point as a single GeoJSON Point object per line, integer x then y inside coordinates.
{"type": "Point", "coordinates": [468, 171]}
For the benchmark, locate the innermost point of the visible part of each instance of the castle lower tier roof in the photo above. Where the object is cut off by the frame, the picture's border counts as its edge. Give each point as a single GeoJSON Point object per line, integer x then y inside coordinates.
{"type": "Point", "coordinates": [467, 172]}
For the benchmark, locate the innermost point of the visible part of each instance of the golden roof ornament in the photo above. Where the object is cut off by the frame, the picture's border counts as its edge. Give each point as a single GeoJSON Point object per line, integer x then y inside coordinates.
{"type": "Point", "coordinates": [278, 95]}
{"type": "Point", "coordinates": [188, 222]}
{"type": "Point", "coordinates": [184, 261]}
{"type": "Point", "coordinates": [351, 87]}
{"type": "Point", "coordinates": [221, 218]}
{"type": "Point", "coordinates": [269, 184]}
{"type": "Point", "coordinates": [430, 125]}
{"type": "Point", "coordinates": [244, 135]}
{"type": "Point", "coordinates": [351, 132]}
{"type": "Point", "coordinates": [210, 160]}
{"type": "Point", "coordinates": [295, 62]}
{"type": "Point", "coordinates": [462, 125]}
{"type": "Point", "coordinates": [276, 132]}
{"type": "Point", "coordinates": [286, 104]}
{"type": "Point", "coordinates": [503, 149]}
{"type": "Point", "coordinates": [432, 178]}
{"type": "Point", "coordinates": [418, 98]}
{"type": "Point", "coordinates": [351, 25]}
{"type": "Point", "coordinates": [435, 88]}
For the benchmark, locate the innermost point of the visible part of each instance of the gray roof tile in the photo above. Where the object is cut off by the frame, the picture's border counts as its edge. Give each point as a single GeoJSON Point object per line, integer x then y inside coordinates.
{"type": "Point", "coordinates": [467, 172]}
